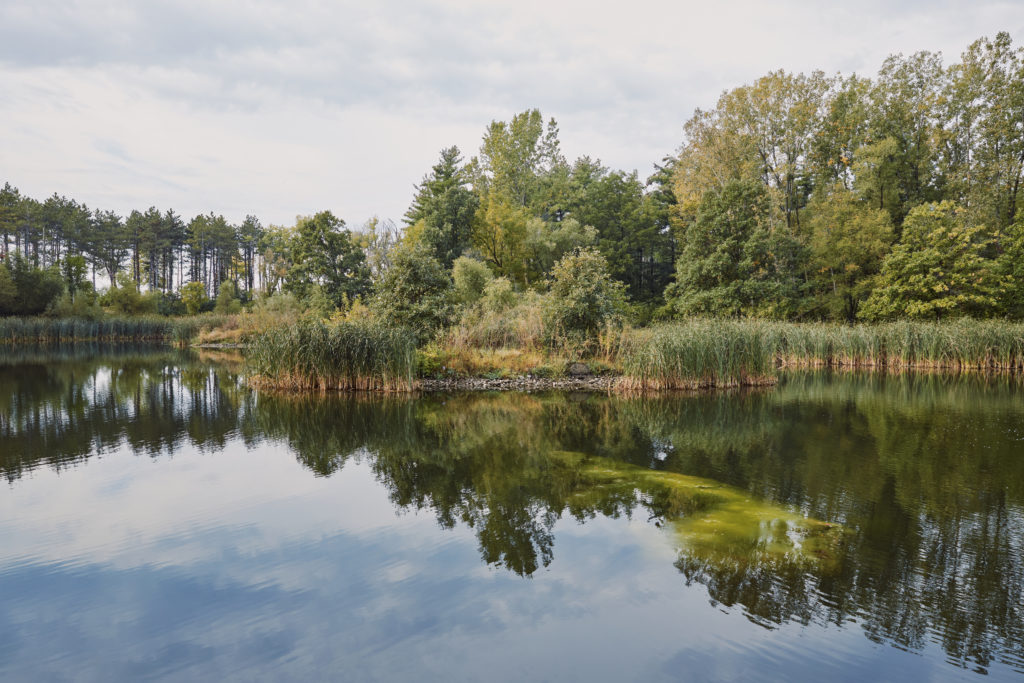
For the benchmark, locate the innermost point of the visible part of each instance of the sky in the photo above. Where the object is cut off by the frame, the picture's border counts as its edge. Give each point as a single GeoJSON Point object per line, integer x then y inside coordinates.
{"type": "Point", "coordinates": [280, 109]}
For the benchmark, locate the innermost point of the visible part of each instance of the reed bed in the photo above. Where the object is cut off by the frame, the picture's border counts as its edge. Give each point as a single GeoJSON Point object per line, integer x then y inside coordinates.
{"type": "Point", "coordinates": [725, 353]}
{"type": "Point", "coordinates": [343, 356]}
{"type": "Point", "coordinates": [960, 345]}
{"type": "Point", "coordinates": [699, 354]}
{"type": "Point", "coordinates": [67, 330]}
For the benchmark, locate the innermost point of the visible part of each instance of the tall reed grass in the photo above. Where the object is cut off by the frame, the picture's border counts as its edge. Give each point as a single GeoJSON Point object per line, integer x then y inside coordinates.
{"type": "Point", "coordinates": [698, 354]}
{"type": "Point", "coordinates": [313, 355]}
{"type": "Point", "coordinates": [723, 353]}
{"type": "Point", "coordinates": [64, 330]}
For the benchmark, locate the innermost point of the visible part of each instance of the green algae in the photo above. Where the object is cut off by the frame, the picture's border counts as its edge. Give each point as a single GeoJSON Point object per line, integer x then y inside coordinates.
{"type": "Point", "coordinates": [710, 520]}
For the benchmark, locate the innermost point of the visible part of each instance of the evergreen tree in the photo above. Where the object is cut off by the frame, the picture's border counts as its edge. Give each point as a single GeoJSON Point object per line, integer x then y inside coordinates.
{"type": "Point", "coordinates": [444, 208]}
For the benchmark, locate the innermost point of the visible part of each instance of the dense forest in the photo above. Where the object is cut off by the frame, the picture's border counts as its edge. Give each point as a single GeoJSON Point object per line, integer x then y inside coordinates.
{"type": "Point", "coordinates": [798, 197]}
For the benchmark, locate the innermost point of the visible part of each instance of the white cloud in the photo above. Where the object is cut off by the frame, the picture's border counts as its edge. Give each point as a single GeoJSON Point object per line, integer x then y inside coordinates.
{"type": "Point", "coordinates": [278, 108]}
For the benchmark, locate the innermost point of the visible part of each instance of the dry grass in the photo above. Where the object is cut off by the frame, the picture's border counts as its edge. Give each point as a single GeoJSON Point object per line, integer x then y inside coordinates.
{"type": "Point", "coordinates": [440, 361]}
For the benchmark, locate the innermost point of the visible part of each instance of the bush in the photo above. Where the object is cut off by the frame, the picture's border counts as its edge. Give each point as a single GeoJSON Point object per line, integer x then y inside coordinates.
{"type": "Point", "coordinates": [471, 277]}
{"type": "Point", "coordinates": [124, 298]}
{"type": "Point", "coordinates": [498, 296]}
{"type": "Point", "coordinates": [27, 290]}
{"type": "Point", "coordinates": [582, 298]}
{"type": "Point", "coordinates": [415, 292]}
{"type": "Point", "coordinates": [85, 306]}
{"type": "Point", "coordinates": [227, 299]}
{"type": "Point", "coordinates": [193, 295]}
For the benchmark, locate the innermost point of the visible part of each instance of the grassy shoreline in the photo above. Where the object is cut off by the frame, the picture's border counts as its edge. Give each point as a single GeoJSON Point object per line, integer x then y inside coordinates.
{"type": "Point", "coordinates": [42, 330]}
{"type": "Point", "coordinates": [689, 355]}
{"type": "Point", "coordinates": [693, 354]}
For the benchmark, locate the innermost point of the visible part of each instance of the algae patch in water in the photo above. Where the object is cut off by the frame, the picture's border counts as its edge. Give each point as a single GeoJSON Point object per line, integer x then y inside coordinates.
{"type": "Point", "coordinates": [710, 520]}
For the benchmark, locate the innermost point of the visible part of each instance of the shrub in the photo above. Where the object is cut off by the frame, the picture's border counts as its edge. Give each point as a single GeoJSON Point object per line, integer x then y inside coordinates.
{"type": "Point", "coordinates": [471, 277]}
{"type": "Point", "coordinates": [124, 298]}
{"type": "Point", "coordinates": [415, 292]}
{"type": "Point", "coordinates": [498, 296]}
{"type": "Point", "coordinates": [582, 298]}
{"type": "Point", "coordinates": [227, 299]}
{"type": "Point", "coordinates": [193, 295]}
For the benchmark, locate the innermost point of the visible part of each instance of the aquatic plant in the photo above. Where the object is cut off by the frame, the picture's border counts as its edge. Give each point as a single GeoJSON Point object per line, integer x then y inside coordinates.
{"type": "Point", "coordinates": [699, 353]}
{"type": "Point", "coordinates": [722, 353]}
{"type": "Point", "coordinates": [36, 330]}
{"type": "Point", "coordinates": [345, 355]}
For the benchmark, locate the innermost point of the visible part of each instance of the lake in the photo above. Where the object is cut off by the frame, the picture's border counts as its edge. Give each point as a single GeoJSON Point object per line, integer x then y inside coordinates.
{"type": "Point", "coordinates": [160, 521]}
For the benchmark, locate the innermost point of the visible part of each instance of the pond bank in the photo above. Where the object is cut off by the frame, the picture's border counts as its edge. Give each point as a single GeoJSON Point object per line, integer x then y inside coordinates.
{"type": "Point", "coordinates": [586, 383]}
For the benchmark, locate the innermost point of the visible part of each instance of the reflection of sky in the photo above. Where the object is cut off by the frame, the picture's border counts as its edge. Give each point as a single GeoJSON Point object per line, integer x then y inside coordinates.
{"type": "Point", "coordinates": [240, 564]}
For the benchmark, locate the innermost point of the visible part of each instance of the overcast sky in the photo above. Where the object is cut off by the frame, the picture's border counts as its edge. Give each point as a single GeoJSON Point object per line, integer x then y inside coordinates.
{"type": "Point", "coordinates": [287, 108]}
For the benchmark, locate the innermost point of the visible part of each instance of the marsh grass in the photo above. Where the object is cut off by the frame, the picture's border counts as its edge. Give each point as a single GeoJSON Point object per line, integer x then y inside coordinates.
{"type": "Point", "coordinates": [66, 330]}
{"type": "Point", "coordinates": [345, 356]}
{"type": "Point", "coordinates": [726, 353]}
{"type": "Point", "coordinates": [698, 354]}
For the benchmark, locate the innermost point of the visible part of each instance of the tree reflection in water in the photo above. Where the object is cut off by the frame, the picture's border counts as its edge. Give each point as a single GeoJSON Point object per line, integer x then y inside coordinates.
{"type": "Point", "coordinates": [917, 481]}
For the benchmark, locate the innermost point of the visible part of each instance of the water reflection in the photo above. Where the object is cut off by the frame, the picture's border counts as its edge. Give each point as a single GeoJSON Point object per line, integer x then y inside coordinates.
{"type": "Point", "coordinates": [919, 480]}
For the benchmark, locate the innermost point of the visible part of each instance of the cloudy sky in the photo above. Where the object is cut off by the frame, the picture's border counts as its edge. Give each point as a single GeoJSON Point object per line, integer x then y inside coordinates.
{"type": "Point", "coordinates": [285, 108]}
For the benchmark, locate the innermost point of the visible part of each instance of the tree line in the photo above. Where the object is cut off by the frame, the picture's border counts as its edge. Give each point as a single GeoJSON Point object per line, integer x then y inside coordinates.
{"type": "Point", "coordinates": [798, 196]}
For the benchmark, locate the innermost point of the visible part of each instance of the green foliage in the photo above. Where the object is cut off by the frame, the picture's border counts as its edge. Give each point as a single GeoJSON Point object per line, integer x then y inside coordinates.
{"type": "Point", "coordinates": [1011, 270]}
{"type": "Point", "coordinates": [8, 290]}
{"type": "Point", "coordinates": [415, 292]}
{"type": "Point", "coordinates": [324, 254]}
{"type": "Point", "coordinates": [734, 262]}
{"type": "Point", "coordinates": [582, 298]}
{"type": "Point", "coordinates": [86, 305]}
{"type": "Point", "coordinates": [498, 296]}
{"type": "Point", "coordinates": [848, 241]}
{"type": "Point", "coordinates": [193, 294]}
{"type": "Point", "coordinates": [545, 243]}
{"type": "Point", "coordinates": [318, 304]}
{"type": "Point", "coordinates": [227, 299]}
{"type": "Point", "coordinates": [169, 303]}
{"type": "Point", "coordinates": [470, 277]}
{"type": "Point", "coordinates": [445, 208]}
{"type": "Point", "coordinates": [126, 299]}
{"type": "Point", "coordinates": [937, 269]}
{"type": "Point", "coordinates": [27, 290]}
{"type": "Point", "coordinates": [73, 269]}
{"type": "Point", "coordinates": [515, 156]}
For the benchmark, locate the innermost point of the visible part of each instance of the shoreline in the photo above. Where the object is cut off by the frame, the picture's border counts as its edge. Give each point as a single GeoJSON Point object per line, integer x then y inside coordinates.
{"type": "Point", "coordinates": [594, 383]}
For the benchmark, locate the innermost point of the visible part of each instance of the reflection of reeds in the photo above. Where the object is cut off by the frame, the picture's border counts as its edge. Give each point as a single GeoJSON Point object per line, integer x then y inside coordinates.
{"type": "Point", "coordinates": [715, 353]}
{"type": "Point", "coordinates": [361, 356]}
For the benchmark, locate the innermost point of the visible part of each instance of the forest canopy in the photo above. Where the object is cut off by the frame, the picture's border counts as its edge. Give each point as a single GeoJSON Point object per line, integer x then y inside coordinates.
{"type": "Point", "coordinates": [798, 196]}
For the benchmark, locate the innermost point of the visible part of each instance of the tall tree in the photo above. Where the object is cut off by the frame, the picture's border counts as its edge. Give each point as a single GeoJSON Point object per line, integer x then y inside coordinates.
{"type": "Point", "coordinates": [444, 207]}
{"type": "Point", "coordinates": [325, 255]}
{"type": "Point", "coordinates": [938, 269]}
{"type": "Point", "coordinates": [733, 262]}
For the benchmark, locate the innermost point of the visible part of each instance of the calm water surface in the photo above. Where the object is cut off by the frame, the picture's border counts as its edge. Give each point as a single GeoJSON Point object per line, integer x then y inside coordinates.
{"type": "Point", "coordinates": [159, 521]}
